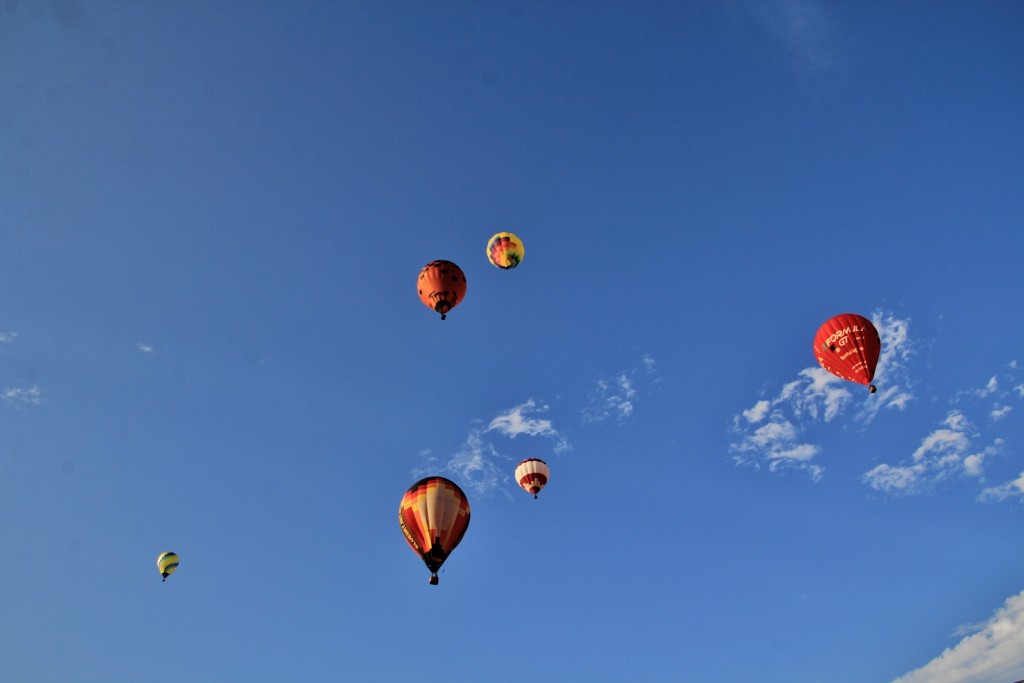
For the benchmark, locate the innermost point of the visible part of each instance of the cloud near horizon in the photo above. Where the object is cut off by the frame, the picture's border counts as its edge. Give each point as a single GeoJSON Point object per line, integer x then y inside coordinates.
{"type": "Point", "coordinates": [993, 651]}
{"type": "Point", "coordinates": [772, 433]}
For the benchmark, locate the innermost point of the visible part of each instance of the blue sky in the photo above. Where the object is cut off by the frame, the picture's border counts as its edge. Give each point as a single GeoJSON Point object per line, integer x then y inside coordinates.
{"type": "Point", "coordinates": [211, 219]}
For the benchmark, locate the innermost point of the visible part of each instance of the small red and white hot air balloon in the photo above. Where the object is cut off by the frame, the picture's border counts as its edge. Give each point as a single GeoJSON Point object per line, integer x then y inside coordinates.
{"type": "Point", "coordinates": [532, 474]}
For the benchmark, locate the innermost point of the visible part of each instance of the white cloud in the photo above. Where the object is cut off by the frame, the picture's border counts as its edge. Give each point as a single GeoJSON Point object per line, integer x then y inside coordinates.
{"type": "Point", "coordinates": [892, 479]}
{"type": "Point", "coordinates": [478, 465]}
{"type": "Point", "coordinates": [823, 392]}
{"type": "Point", "coordinates": [144, 348]}
{"type": "Point", "coordinates": [516, 421]}
{"type": "Point", "coordinates": [945, 453]}
{"type": "Point", "coordinates": [1020, 390]}
{"type": "Point", "coordinates": [892, 371]}
{"type": "Point", "coordinates": [1008, 490]}
{"type": "Point", "coordinates": [991, 387]}
{"type": "Point", "coordinates": [758, 412]}
{"type": "Point", "coordinates": [475, 466]}
{"type": "Point", "coordinates": [8, 337]}
{"type": "Point", "coordinates": [775, 444]}
{"type": "Point", "coordinates": [801, 452]}
{"type": "Point", "coordinates": [994, 653]}
{"type": "Point", "coordinates": [999, 412]}
{"type": "Point", "coordinates": [617, 398]}
{"type": "Point", "coordinates": [18, 395]}
{"type": "Point", "coordinates": [942, 442]}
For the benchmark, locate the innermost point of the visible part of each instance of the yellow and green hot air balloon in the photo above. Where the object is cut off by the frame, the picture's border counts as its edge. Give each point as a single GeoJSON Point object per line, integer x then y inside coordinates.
{"type": "Point", "coordinates": [167, 563]}
{"type": "Point", "coordinates": [505, 250]}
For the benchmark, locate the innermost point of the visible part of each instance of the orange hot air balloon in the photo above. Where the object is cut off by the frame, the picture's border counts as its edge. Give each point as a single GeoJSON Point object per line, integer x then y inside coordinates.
{"type": "Point", "coordinates": [441, 286]}
{"type": "Point", "coordinates": [848, 346]}
{"type": "Point", "coordinates": [434, 516]}
{"type": "Point", "coordinates": [533, 474]}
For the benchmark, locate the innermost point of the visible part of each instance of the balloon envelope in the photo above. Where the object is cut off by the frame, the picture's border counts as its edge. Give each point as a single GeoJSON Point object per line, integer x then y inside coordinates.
{"type": "Point", "coordinates": [441, 286]}
{"type": "Point", "coordinates": [434, 516]}
{"type": "Point", "coordinates": [167, 563]}
{"type": "Point", "coordinates": [505, 250]}
{"type": "Point", "coordinates": [532, 475]}
{"type": "Point", "coordinates": [848, 346]}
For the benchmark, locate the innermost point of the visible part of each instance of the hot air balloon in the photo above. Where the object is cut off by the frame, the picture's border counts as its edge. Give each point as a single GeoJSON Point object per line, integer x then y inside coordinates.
{"type": "Point", "coordinates": [434, 516]}
{"type": "Point", "coordinates": [167, 563]}
{"type": "Point", "coordinates": [441, 286]}
{"type": "Point", "coordinates": [848, 346]}
{"type": "Point", "coordinates": [532, 474]}
{"type": "Point", "coordinates": [505, 250]}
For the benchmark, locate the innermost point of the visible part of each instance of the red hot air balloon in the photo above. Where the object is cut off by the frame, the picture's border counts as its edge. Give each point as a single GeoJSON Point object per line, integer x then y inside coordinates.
{"type": "Point", "coordinates": [532, 474]}
{"type": "Point", "coordinates": [434, 516]}
{"type": "Point", "coordinates": [441, 286]}
{"type": "Point", "coordinates": [848, 346]}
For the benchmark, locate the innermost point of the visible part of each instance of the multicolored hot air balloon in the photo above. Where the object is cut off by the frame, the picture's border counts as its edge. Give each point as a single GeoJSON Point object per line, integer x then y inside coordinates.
{"type": "Point", "coordinates": [532, 474]}
{"type": "Point", "coordinates": [441, 286]}
{"type": "Point", "coordinates": [848, 346]}
{"type": "Point", "coordinates": [167, 563]}
{"type": "Point", "coordinates": [505, 250]}
{"type": "Point", "coordinates": [434, 516]}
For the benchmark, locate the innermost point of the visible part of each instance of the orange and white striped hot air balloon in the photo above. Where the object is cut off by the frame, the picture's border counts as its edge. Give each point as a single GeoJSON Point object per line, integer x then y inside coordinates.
{"type": "Point", "coordinates": [434, 516]}
{"type": "Point", "coordinates": [532, 474]}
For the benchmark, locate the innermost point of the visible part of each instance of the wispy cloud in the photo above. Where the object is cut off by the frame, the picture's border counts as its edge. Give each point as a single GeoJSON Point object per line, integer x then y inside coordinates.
{"type": "Point", "coordinates": [772, 433]}
{"type": "Point", "coordinates": [519, 421]}
{"type": "Point", "coordinates": [802, 26]}
{"type": "Point", "coordinates": [994, 652]}
{"type": "Point", "coordinates": [8, 337]}
{"type": "Point", "coordinates": [948, 451]}
{"type": "Point", "coordinates": [991, 387]}
{"type": "Point", "coordinates": [953, 448]}
{"type": "Point", "coordinates": [478, 464]}
{"type": "Point", "coordinates": [481, 463]}
{"type": "Point", "coordinates": [22, 395]}
{"type": "Point", "coordinates": [144, 348]}
{"type": "Point", "coordinates": [896, 391]}
{"type": "Point", "coordinates": [999, 412]}
{"type": "Point", "coordinates": [1010, 489]}
{"type": "Point", "coordinates": [617, 397]}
